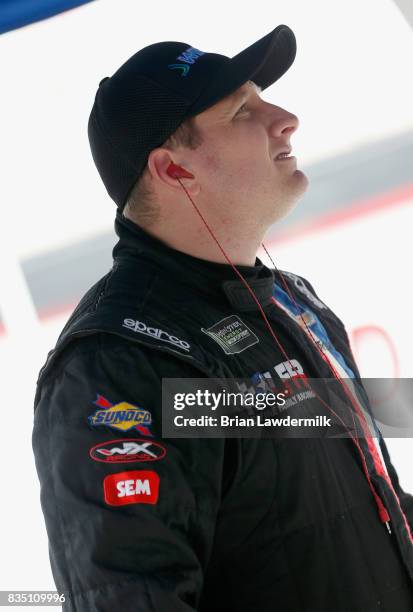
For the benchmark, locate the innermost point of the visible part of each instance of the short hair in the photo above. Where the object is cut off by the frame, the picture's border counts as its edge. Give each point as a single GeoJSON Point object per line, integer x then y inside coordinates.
{"type": "Point", "coordinates": [140, 204]}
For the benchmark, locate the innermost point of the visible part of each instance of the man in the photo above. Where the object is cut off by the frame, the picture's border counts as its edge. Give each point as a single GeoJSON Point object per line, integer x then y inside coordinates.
{"type": "Point", "coordinates": [199, 167]}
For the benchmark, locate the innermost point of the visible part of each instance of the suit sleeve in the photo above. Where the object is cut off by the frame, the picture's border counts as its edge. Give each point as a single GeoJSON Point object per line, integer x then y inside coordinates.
{"type": "Point", "coordinates": [130, 516]}
{"type": "Point", "coordinates": [406, 499]}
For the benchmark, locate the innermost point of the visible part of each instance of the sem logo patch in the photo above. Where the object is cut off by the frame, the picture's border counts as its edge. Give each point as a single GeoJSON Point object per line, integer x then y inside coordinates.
{"type": "Point", "coordinates": [122, 416]}
{"type": "Point", "coordinates": [137, 487]}
{"type": "Point", "coordinates": [127, 450]}
{"type": "Point", "coordinates": [232, 335]}
{"type": "Point", "coordinates": [153, 332]}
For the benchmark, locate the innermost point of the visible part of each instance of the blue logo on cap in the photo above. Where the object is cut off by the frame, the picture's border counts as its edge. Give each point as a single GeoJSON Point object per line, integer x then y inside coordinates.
{"type": "Point", "coordinates": [183, 67]}
{"type": "Point", "coordinates": [189, 57]}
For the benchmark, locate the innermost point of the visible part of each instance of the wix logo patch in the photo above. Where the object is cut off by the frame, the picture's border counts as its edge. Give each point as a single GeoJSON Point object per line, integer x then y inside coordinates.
{"type": "Point", "coordinates": [232, 335]}
{"type": "Point", "coordinates": [127, 450]}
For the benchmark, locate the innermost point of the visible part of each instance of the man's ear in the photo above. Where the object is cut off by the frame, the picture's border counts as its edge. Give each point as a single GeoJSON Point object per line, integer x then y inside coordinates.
{"type": "Point", "coordinates": [159, 161]}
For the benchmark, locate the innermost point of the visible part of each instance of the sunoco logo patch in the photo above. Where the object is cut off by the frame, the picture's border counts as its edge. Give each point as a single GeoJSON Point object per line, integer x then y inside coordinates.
{"type": "Point", "coordinates": [122, 416]}
{"type": "Point", "coordinates": [232, 335]}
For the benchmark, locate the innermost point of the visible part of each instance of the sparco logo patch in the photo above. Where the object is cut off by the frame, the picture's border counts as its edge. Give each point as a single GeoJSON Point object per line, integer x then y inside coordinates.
{"type": "Point", "coordinates": [154, 332]}
{"type": "Point", "coordinates": [232, 335]}
{"type": "Point", "coordinates": [127, 450]}
{"type": "Point", "coordinates": [122, 416]}
{"type": "Point", "coordinates": [137, 487]}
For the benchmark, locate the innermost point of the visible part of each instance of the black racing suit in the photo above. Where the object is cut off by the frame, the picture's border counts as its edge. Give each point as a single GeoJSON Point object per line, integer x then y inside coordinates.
{"type": "Point", "coordinates": [207, 524]}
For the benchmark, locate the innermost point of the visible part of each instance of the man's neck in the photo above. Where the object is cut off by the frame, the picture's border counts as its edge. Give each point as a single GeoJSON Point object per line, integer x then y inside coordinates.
{"type": "Point", "coordinates": [240, 250]}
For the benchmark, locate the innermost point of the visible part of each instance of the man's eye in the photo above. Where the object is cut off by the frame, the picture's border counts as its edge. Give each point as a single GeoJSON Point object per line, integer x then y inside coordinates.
{"type": "Point", "coordinates": [241, 109]}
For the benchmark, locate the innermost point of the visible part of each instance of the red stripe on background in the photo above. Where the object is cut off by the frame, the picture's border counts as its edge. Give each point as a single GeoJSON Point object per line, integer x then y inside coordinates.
{"type": "Point", "coordinates": [347, 214]}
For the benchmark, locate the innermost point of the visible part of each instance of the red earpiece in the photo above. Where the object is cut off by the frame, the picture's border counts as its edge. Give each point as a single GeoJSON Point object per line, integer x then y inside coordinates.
{"type": "Point", "coordinates": [178, 172]}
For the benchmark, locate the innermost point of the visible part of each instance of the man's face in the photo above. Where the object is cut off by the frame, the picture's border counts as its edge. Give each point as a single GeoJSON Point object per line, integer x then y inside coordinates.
{"type": "Point", "coordinates": [236, 165]}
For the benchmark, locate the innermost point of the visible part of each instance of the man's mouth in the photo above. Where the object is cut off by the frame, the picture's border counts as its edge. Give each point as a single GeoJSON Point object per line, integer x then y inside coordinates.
{"type": "Point", "coordinates": [284, 154]}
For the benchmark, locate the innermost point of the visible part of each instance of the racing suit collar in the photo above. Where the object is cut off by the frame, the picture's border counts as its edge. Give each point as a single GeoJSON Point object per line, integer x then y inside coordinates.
{"type": "Point", "coordinates": [208, 276]}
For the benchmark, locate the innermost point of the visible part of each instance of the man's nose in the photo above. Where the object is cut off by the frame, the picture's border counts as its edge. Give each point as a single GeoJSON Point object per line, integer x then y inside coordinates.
{"type": "Point", "coordinates": [283, 123]}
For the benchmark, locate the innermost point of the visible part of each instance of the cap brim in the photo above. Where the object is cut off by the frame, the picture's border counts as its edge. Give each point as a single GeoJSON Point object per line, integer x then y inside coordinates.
{"type": "Point", "coordinates": [263, 62]}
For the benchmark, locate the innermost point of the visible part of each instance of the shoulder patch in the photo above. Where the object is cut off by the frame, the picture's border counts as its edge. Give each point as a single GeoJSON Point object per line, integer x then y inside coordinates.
{"type": "Point", "coordinates": [127, 450]}
{"type": "Point", "coordinates": [121, 416]}
{"type": "Point", "coordinates": [135, 487]}
{"type": "Point", "coordinates": [140, 327]}
{"type": "Point", "coordinates": [232, 335]}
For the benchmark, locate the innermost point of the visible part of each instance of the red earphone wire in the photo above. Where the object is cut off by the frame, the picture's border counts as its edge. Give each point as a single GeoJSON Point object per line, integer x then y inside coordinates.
{"type": "Point", "coordinates": [382, 510]}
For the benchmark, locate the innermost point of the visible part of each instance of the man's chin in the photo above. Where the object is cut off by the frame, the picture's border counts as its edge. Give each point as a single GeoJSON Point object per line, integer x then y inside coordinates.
{"type": "Point", "coordinates": [299, 175]}
{"type": "Point", "coordinates": [298, 190]}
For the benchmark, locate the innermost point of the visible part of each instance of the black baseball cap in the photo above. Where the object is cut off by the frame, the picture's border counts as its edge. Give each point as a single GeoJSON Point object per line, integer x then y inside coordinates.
{"type": "Point", "coordinates": [154, 91]}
